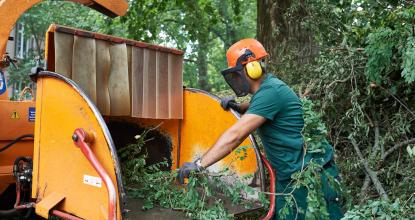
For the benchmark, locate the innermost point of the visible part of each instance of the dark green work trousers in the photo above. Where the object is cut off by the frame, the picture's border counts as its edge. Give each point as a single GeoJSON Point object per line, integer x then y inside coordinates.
{"type": "Point", "coordinates": [330, 195]}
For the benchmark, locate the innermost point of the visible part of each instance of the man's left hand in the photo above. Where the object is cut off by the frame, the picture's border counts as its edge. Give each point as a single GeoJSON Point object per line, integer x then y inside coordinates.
{"type": "Point", "coordinates": [186, 169]}
{"type": "Point", "coordinates": [229, 102]}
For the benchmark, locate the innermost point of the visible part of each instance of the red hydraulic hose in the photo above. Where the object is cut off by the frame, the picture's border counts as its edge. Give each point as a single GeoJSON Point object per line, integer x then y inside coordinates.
{"type": "Point", "coordinates": [271, 173]}
{"type": "Point", "coordinates": [25, 206]}
{"type": "Point", "coordinates": [80, 138]}
{"type": "Point", "coordinates": [64, 215]}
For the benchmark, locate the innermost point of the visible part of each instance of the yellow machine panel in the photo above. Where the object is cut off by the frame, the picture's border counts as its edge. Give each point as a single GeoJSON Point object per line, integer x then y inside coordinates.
{"type": "Point", "coordinates": [60, 168]}
{"type": "Point", "coordinates": [17, 119]}
{"type": "Point", "coordinates": [204, 121]}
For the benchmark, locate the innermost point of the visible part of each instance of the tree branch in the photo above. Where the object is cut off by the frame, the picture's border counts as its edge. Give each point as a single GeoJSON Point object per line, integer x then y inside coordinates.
{"type": "Point", "coordinates": [373, 176]}
{"type": "Point", "coordinates": [308, 89]}
{"type": "Point", "coordinates": [397, 146]}
{"type": "Point", "coordinates": [218, 34]}
{"type": "Point", "coordinates": [375, 147]}
{"type": "Point", "coordinates": [398, 100]}
{"type": "Point", "coordinates": [338, 81]}
{"type": "Point", "coordinates": [366, 185]}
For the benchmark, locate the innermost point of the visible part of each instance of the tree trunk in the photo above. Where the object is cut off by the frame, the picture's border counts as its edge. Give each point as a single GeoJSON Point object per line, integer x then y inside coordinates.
{"type": "Point", "coordinates": [272, 29]}
{"type": "Point", "coordinates": [277, 30]}
{"type": "Point", "coordinates": [202, 64]}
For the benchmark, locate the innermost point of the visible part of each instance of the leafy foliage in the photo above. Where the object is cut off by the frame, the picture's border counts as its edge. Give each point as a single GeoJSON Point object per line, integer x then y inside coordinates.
{"type": "Point", "coordinates": [380, 209]}
{"type": "Point", "coordinates": [37, 19]}
{"type": "Point", "coordinates": [380, 55]}
{"type": "Point", "coordinates": [408, 64]}
{"type": "Point", "coordinates": [35, 23]}
{"type": "Point", "coordinates": [19, 77]}
{"type": "Point", "coordinates": [314, 131]}
{"type": "Point", "coordinates": [201, 28]}
{"type": "Point", "coordinates": [360, 79]}
{"type": "Point", "coordinates": [411, 151]}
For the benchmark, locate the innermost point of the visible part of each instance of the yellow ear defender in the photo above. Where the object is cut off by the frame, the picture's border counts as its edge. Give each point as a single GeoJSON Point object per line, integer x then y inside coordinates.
{"type": "Point", "coordinates": [253, 69]}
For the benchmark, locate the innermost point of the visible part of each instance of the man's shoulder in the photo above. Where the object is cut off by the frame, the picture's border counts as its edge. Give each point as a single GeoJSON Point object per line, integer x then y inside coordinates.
{"type": "Point", "coordinates": [273, 86]}
{"type": "Point", "coordinates": [271, 81]}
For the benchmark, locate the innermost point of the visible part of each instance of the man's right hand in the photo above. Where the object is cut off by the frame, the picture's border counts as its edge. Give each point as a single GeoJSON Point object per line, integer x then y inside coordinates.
{"type": "Point", "coordinates": [229, 102]}
{"type": "Point", "coordinates": [186, 170]}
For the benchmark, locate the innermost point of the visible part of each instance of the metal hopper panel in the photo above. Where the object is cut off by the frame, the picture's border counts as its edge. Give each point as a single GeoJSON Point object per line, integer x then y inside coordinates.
{"type": "Point", "coordinates": [123, 77]}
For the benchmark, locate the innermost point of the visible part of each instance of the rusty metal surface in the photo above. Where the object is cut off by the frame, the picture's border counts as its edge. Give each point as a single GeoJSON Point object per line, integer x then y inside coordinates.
{"type": "Point", "coordinates": [142, 80]}
{"type": "Point", "coordinates": [156, 84]}
{"type": "Point", "coordinates": [113, 39]}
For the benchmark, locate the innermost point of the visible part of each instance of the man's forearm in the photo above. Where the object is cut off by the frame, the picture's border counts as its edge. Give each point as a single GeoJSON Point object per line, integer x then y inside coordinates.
{"type": "Point", "coordinates": [232, 138]}
{"type": "Point", "coordinates": [223, 146]}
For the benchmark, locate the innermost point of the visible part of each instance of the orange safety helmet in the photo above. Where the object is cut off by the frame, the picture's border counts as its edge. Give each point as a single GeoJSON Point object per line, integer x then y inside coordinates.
{"type": "Point", "coordinates": [239, 48]}
{"type": "Point", "coordinates": [243, 63]}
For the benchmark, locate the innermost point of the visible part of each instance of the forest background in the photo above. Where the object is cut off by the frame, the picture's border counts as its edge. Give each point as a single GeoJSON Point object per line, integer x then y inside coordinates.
{"type": "Point", "coordinates": [354, 59]}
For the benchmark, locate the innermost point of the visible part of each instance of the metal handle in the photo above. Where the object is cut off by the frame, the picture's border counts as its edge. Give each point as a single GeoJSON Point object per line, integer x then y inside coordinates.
{"type": "Point", "coordinates": [80, 139]}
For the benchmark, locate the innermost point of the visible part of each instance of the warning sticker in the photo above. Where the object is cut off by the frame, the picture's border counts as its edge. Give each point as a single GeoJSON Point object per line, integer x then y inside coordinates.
{"type": "Point", "coordinates": [32, 114]}
{"type": "Point", "coordinates": [92, 180]}
{"type": "Point", "coordinates": [15, 115]}
{"type": "Point", "coordinates": [2, 84]}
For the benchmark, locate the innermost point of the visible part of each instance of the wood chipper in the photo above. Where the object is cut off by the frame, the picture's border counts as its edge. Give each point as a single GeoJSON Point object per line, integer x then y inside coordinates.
{"type": "Point", "coordinates": [58, 151]}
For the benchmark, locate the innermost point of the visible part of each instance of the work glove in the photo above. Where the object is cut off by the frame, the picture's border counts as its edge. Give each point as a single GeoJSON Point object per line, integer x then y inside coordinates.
{"type": "Point", "coordinates": [229, 102]}
{"type": "Point", "coordinates": [187, 169]}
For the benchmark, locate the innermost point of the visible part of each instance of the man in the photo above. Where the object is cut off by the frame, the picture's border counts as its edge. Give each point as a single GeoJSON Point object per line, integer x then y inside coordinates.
{"type": "Point", "coordinates": [276, 111]}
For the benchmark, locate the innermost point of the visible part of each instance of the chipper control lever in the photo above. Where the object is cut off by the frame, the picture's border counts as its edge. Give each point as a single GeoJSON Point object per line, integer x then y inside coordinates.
{"type": "Point", "coordinates": [81, 140]}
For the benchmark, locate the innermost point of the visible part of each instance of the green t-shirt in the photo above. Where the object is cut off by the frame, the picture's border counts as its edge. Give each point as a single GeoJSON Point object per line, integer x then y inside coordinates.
{"type": "Point", "coordinates": [281, 133]}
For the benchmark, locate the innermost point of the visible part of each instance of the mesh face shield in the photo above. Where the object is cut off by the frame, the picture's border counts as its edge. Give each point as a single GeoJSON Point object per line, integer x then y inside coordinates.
{"type": "Point", "coordinates": [236, 79]}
